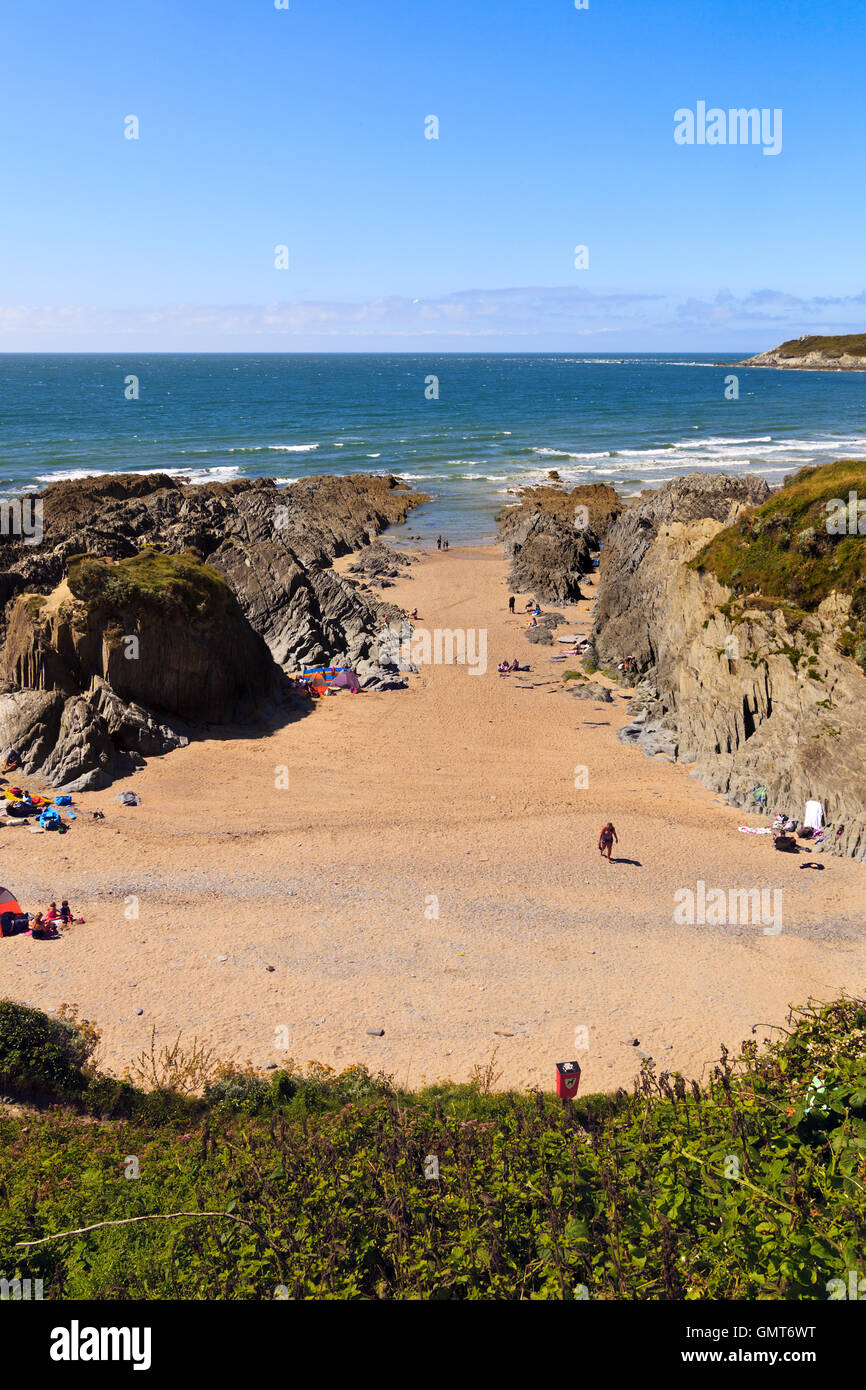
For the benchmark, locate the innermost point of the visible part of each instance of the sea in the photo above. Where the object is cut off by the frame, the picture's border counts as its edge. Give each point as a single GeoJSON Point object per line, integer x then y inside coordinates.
{"type": "Point", "coordinates": [469, 430]}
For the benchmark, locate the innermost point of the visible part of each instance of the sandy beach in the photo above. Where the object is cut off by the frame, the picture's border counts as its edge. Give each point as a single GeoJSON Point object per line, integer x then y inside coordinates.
{"type": "Point", "coordinates": [422, 862]}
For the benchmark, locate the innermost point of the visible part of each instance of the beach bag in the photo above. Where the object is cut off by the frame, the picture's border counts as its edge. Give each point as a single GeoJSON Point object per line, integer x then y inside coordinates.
{"type": "Point", "coordinates": [786, 842]}
{"type": "Point", "coordinates": [21, 808]}
{"type": "Point", "coordinates": [63, 801]}
{"type": "Point", "coordinates": [50, 819]}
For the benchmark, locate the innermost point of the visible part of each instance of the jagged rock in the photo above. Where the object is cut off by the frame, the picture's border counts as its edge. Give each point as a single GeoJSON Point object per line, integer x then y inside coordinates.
{"type": "Point", "coordinates": [89, 711]}
{"type": "Point", "coordinates": [162, 631]}
{"type": "Point", "coordinates": [631, 595]}
{"type": "Point", "coordinates": [547, 557]}
{"type": "Point", "coordinates": [651, 738]}
{"type": "Point", "coordinates": [550, 536]}
{"type": "Point", "coordinates": [273, 545]}
{"type": "Point", "coordinates": [378, 561]}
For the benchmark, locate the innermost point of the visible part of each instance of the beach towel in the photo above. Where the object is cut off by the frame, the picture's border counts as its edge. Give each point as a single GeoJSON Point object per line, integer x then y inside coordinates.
{"type": "Point", "coordinates": [814, 817]}
{"type": "Point", "coordinates": [760, 794]}
{"type": "Point", "coordinates": [756, 829]}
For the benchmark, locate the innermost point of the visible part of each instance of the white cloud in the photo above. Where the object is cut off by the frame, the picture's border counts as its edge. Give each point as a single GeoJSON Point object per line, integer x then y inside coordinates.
{"type": "Point", "coordinates": [525, 318]}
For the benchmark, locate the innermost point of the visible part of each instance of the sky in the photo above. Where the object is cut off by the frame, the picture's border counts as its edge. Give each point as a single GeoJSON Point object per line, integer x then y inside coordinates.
{"type": "Point", "coordinates": [306, 128]}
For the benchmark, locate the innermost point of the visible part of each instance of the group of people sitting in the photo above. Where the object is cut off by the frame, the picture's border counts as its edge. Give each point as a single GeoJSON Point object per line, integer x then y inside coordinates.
{"type": "Point", "coordinates": [47, 924]}
{"type": "Point", "coordinates": [506, 667]}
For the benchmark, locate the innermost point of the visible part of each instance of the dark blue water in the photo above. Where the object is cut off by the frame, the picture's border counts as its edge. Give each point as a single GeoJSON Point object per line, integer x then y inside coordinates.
{"type": "Point", "coordinates": [499, 422]}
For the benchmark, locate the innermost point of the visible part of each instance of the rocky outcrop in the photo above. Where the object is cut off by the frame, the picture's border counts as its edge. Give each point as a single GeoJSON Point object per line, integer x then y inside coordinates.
{"type": "Point", "coordinates": [81, 743]}
{"type": "Point", "coordinates": [380, 564]}
{"type": "Point", "coordinates": [844, 353]}
{"type": "Point", "coordinates": [632, 603]}
{"type": "Point", "coordinates": [751, 692]}
{"type": "Point", "coordinates": [589, 690]}
{"type": "Point", "coordinates": [551, 535]}
{"type": "Point", "coordinates": [161, 631]}
{"type": "Point", "coordinates": [273, 545]}
{"type": "Point", "coordinates": [80, 707]}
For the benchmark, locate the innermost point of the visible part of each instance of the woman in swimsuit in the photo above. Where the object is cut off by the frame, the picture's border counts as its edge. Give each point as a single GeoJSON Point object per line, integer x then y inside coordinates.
{"type": "Point", "coordinates": [606, 840]}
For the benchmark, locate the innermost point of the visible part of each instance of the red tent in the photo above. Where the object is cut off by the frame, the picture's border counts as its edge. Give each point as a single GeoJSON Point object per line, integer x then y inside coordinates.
{"type": "Point", "coordinates": [8, 902]}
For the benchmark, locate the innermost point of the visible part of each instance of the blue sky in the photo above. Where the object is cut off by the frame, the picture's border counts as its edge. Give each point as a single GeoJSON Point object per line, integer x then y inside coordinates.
{"type": "Point", "coordinates": [305, 127]}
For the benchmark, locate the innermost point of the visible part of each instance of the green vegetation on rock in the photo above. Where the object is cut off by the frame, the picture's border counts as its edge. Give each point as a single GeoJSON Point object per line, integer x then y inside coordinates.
{"type": "Point", "coordinates": [153, 579]}
{"type": "Point", "coordinates": [784, 553]}
{"type": "Point", "coordinates": [834, 344]}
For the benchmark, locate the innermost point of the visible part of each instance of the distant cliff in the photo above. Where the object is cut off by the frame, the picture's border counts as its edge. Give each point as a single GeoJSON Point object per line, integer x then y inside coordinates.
{"type": "Point", "coordinates": [842, 353]}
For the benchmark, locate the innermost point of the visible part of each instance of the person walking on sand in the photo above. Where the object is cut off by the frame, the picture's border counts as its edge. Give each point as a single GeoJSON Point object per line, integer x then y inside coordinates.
{"type": "Point", "coordinates": [511, 604]}
{"type": "Point", "coordinates": [606, 840]}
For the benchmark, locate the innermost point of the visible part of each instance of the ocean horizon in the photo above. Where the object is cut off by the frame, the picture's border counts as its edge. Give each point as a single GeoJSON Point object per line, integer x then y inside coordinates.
{"type": "Point", "coordinates": [469, 429]}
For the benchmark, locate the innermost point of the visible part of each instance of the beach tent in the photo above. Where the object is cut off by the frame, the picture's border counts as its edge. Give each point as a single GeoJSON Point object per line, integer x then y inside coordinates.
{"type": "Point", "coordinates": [347, 680]}
{"type": "Point", "coordinates": [8, 902]}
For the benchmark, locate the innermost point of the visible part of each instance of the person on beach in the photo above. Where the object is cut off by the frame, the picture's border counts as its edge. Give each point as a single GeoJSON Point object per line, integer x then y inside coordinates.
{"type": "Point", "coordinates": [511, 604]}
{"type": "Point", "coordinates": [13, 761]}
{"type": "Point", "coordinates": [606, 840]}
{"type": "Point", "coordinates": [438, 542]}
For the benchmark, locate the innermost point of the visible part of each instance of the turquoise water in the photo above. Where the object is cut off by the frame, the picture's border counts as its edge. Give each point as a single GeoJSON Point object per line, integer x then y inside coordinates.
{"type": "Point", "coordinates": [499, 422]}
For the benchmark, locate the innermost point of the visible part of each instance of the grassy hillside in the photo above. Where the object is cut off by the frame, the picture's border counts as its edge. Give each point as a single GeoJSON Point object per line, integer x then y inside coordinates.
{"type": "Point", "coordinates": [753, 1185]}
{"type": "Point", "coordinates": [783, 551]}
{"type": "Point", "coordinates": [835, 344]}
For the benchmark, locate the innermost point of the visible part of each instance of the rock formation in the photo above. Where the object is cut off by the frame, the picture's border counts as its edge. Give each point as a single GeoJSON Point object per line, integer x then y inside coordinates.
{"type": "Point", "coordinates": [550, 536]}
{"type": "Point", "coordinates": [841, 353]}
{"type": "Point", "coordinates": [753, 690]}
{"type": "Point", "coordinates": [275, 601]}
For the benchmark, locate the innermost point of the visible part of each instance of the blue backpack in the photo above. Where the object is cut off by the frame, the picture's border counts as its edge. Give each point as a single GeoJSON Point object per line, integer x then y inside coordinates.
{"type": "Point", "coordinates": [50, 819]}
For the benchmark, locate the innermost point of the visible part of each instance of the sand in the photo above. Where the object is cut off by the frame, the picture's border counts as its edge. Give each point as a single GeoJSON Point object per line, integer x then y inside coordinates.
{"type": "Point", "coordinates": [431, 870]}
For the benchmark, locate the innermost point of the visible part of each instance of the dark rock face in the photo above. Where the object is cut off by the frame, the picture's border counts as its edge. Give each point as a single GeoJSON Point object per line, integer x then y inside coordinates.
{"type": "Point", "coordinates": [80, 743]}
{"type": "Point", "coordinates": [378, 562]}
{"type": "Point", "coordinates": [550, 536]}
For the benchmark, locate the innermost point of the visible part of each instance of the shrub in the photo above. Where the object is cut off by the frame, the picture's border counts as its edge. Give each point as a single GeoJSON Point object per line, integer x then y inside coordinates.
{"type": "Point", "coordinates": [44, 1055]}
